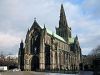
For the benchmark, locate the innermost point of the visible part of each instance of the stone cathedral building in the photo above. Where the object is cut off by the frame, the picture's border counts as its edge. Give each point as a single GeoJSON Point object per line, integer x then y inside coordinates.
{"type": "Point", "coordinates": [46, 50]}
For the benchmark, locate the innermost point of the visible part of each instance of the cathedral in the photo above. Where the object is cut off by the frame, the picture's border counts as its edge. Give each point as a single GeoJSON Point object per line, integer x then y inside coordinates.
{"type": "Point", "coordinates": [46, 50]}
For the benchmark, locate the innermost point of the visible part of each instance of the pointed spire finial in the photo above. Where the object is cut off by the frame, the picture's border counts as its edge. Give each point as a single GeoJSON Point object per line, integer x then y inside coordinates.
{"type": "Point", "coordinates": [61, 5]}
{"type": "Point", "coordinates": [44, 25]}
{"type": "Point", "coordinates": [76, 37]}
{"type": "Point", "coordinates": [62, 21]}
{"type": "Point", "coordinates": [21, 40]}
{"type": "Point", "coordinates": [62, 10]}
{"type": "Point", "coordinates": [35, 19]}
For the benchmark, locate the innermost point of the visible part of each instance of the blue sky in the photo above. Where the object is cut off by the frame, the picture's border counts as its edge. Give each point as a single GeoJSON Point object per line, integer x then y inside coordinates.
{"type": "Point", "coordinates": [16, 16]}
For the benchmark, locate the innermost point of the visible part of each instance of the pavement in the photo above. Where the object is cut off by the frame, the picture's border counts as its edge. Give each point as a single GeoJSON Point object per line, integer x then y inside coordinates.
{"type": "Point", "coordinates": [85, 73]}
{"type": "Point", "coordinates": [43, 73]}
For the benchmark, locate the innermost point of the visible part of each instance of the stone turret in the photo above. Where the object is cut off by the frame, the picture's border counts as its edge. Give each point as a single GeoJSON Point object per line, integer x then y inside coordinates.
{"type": "Point", "coordinates": [21, 56]}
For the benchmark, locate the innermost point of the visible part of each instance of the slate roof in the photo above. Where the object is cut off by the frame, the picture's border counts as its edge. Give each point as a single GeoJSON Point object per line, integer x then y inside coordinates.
{"type": "Point", "coordinates": [55, 35]}
{"type": "Point", "coordinates": [71, 40]}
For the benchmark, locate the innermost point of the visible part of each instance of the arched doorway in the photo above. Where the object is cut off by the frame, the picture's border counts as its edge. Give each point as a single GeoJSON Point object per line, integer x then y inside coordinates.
{"type": "Point", "coordinates": [35, 63]}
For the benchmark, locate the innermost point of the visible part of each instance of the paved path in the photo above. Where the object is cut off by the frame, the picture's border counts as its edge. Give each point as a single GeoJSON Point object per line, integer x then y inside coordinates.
{"type": "Point", "coordinates": [42, 73]}
{"type": "Point", "coordinates": [86, 73]}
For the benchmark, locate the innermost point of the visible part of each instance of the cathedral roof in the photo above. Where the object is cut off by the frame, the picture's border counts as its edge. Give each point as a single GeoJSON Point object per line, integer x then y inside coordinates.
{"type": "Point", "coordinates": [35, 25]}
{"type": "Point", "coordinates": [71, 40]}
{"type": "Point", "coordinates": [55, 35]}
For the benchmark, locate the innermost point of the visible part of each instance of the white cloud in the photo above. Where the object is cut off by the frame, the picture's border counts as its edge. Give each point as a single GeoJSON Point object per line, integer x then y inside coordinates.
{"type": "Point", "coordinates": [18, 15]}
{"type": "Point", "coordinates": [86, 26]}
{"type": "Point", "coordinates": [9, 43]}
{"type": "Point", "coordinates": [8, 40]}
{"type": "Point", "coordinates": [92, 7]}
{"type": "Point", "coordinates": [86, 51]}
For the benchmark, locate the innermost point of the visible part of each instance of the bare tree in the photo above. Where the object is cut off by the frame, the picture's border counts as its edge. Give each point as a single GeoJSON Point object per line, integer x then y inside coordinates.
{"type": "Point", "coordinates": [95, 51]}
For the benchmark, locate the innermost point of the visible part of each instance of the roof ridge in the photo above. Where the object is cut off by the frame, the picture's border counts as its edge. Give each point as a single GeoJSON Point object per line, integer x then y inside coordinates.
{"type": "Point", "coordinates": [55, 35]}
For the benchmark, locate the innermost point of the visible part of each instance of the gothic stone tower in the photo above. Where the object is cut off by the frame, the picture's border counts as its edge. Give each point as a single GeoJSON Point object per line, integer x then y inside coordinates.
{"type": "Point", "coordinates": [63, 30]}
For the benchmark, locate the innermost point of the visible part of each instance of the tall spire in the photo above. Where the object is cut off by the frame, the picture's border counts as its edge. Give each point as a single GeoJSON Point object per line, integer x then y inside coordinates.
{"type": "Point", "coordinates": [62, 12]}
{"type": "Point", "coordinates": [62, 21]}
{"type": "Point", "coordinates": [21, 45]}
{"type": "Point", "coordinates": [63, 30]}
{"type": "Point", "coordinates": [21, 40]}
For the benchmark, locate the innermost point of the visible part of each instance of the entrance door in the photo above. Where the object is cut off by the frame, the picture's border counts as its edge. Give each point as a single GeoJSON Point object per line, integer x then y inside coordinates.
{"type": "Point", "coordinates": [35, 63]}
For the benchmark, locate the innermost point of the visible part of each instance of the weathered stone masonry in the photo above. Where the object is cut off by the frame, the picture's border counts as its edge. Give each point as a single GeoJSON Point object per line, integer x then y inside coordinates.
{"type": "Point", "coordinates": [46, 50]}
